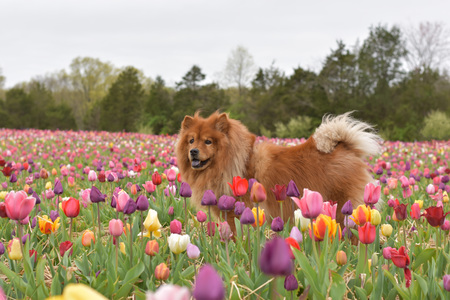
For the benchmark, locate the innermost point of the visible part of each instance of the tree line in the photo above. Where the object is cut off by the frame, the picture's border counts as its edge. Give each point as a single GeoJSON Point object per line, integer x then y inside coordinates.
{"type": "Point", "coordinates": [394, 79]}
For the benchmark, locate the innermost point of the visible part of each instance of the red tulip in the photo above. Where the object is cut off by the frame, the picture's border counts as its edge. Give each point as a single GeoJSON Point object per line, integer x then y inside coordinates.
{"type": "Point", "coordinates": [64, 247]}
{"type": "Point", "coordinates": [400, 258]}
{"type": "Point", "coordinates": [71, 207]}
{"type": "Point", "coordinates": [292, 243]}
{"type": "Point", "coordinates": [239, 186]}
{"type": "Point", "coordinates": [18, 205]}
{"type": "Point", "coordinates": [367, 233]}
{"type": "Point", "coordinates": [280, 192]}
{"type": "Point", "coordinates": [156, 178]}
{"type": "Point", "coordinates": [400, 212]}
{"type": "Point", "coordinates": [435, 215]}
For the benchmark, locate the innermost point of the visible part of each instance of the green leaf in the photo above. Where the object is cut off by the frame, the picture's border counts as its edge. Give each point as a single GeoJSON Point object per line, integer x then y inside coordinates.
{"type": "Point", "coordinates": [399, 289]}
{"type": "Point", "coordinates": [338, 287]}
{"type": "Point", "coordinates": [360, 293]}
{"type": "Point", "coordinates": [423, 284]}
{"type": "Point", "coordinates": [310, 274]}
{"type": "Point", "coordinates": [55, 288]}
{"type": "Point", "coordinates": [423, 257]}
{"type": "Point", "coordinates": [130, 278]}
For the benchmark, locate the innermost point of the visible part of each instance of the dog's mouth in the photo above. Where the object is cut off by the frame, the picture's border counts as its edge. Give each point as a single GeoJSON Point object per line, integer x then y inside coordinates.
{"type": "Point", "coordinates": [198, 164]}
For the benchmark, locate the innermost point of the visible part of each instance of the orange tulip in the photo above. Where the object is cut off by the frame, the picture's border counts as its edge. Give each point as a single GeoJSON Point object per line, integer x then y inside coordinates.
{"type": "Point", "coordinates": [262, 216]}
{"type": "Point", "coordinates": [361, 215]}
{"type": "Point", "coordinates": [87, 238]}
{"type": "Point", "coordinates": [321, 224]}
{"type": "Point", "coordinates": [162, 272]}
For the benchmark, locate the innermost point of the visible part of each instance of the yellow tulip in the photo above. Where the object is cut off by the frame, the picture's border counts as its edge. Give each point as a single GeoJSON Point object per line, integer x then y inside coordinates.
{"type": "Point", "coordinates": [3, 195]}
{"type": "Point", "coordinates": [14, 250]}
{"type": "Point", "coordinates": [445, 197]}
{"type": "Point", "coordinates": [78, 291]}
{"type": "Point", "coordinates": [48, 185]}
{"type": "Point", "coordinates": [46, 226]}
{"type": "Point", "coordinates": [420, 202]}
{"type": "Point", "coordinates": [361, 215]}
{"type": "Point", "coordinates": [375, 217]}
{"type": "Point", "coordinates": [386, 230]}
{"type": "Point", "coordinates": [152, 224]}
{"type": "Point", "coordinates": [122, 248]}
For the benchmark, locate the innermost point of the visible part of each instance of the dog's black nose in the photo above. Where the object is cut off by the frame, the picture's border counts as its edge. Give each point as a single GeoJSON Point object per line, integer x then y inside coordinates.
{"type": "Point", "coordinates": [194, 152]}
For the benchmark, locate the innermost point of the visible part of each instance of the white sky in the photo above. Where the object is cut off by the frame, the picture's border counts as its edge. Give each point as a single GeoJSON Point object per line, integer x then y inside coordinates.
{"type": "Point", "coordinates": [167, 37]}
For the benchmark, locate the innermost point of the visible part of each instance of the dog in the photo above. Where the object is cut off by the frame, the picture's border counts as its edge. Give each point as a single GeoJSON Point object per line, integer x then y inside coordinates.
{"type": "Point", "coordinates": [211, 151]}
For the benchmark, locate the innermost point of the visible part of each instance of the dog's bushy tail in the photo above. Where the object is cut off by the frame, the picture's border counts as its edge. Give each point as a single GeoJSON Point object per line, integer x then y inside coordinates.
{"type": "Point", "coordinates": [356, 135]}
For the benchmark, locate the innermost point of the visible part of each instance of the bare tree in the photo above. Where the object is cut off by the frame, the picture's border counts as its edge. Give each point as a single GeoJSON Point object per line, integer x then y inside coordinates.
{"type": "Point", "coordinates": [428, 46]}
{"type": "Point", "coordinates": [240, 69]}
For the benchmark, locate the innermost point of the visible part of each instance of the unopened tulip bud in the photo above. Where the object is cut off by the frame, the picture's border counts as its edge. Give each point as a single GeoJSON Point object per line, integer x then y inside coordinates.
{"type": "Point", "coordinates": [375, 217]}
{"type": "Point", "coordinates": [192, 251]}
{"type": "Point", "coordinates": [87, 238]}
{"type": "Point", "coordinates": [175, 227]}
{"type": "Point", "coordinates": [162, 272]}
{"type": "Point", "coordinates": [386, 230]}
{"type": "Point", "coordinates": [341, 258]}
{"type": "Point", "coordinates": [152, 248]}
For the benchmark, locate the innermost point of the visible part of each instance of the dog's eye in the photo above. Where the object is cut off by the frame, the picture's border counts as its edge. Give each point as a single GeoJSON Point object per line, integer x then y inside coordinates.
{"type": "Point", "coordinates": [208, 142]}
{"type": "Point", "coordinates": [191, 141]}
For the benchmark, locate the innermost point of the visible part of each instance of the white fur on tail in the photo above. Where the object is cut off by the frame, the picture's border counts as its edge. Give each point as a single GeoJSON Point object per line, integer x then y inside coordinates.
{"type": "Point", "coordinates": [357, 135]}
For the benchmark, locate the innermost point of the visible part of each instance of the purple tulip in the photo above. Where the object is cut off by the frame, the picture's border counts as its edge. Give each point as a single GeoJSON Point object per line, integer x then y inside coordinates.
{"type": "Point", "coordinates": [142, 203]}
{"type": "Point", "coordinates": [292, 190]}
{"type": "Point", "coordinates": [446, 281]}
{"type": "Point", "coordinates": [54, 215]}
{"type": "Point", "coordinates": [209, 198]}
{"type": "Point", "coordinates": [347, 209]}
{"type": "Point", "coordinates": [58, 190]}
{"type": "Point", "coordinates": [192, 251]}
{"type": "Point", "coordinates": [33, 223]}
{"type": "Point", "coordinates": [170, 211]}
{"type": "Point", "coordinates": [239, 208]}
{"type": "Point", "coordinates": [277, 224]}
{"type": "Point", "coordinates": [35, 196]}
{"type": "Point", "coordinates": [96, 196]}
{"type": "Point", "coordinates": [2, 248]}
{"type": "Point", "coordinates": [226, 203]}
{"type": "Point", "coordinates": [290, 283]}
{"type": "Point", "coordinates": [13, 178]}
{"type": "Point", "coordinates": [296, 234]}
{"type": "Point", "coordinates": [185, 190]}
{"type": "Point", "coordinates": [247, 217]}
{"type": "Point", "coordinates": [208, 285]}
{"type": "Point", "coordinates": [130, 207]}
{"type": "Point", "coordinates": [275, 259]}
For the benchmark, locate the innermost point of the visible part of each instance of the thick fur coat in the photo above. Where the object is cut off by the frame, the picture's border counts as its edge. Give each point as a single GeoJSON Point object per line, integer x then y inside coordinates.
{"type": "Point", "coordinates": [211, 151]}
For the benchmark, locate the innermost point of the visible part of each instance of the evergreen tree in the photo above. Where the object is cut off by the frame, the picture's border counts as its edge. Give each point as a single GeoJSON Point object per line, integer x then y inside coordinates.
{"type": "Point", "coordinates": [121, 108]}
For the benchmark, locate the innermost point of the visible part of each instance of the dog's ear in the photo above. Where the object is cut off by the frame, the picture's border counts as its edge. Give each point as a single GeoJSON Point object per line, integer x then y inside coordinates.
{"type": "Point", "coordinates": [222, 123]}
{"type": "Point", "coordinates": [187, 122]}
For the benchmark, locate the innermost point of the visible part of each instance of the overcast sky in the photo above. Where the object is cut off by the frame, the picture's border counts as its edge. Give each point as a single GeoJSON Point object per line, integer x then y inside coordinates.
{"type": "Point", "coordinates": [167, 37]}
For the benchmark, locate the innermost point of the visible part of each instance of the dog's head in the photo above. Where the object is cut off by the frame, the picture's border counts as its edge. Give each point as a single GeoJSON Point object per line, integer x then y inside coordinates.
{"type": "Point", "coordinates": [201, 140]}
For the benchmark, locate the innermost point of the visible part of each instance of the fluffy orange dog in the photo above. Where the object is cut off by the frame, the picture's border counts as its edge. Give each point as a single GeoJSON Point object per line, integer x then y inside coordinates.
{"type": "Point", "coordinates": [211, 151]}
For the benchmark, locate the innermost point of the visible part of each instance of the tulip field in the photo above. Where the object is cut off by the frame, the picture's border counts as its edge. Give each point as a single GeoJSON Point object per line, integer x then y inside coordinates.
{"type": "Point", "coordinates": [97, 215]}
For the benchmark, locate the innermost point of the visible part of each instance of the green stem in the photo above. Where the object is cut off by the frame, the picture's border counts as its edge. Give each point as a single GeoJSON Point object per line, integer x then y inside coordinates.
{"type": "Point", "coordinates": [99, 222]}
{"type": "Point", "coordinates": [249, 250]}
{"type": "Point", "coordinates": [211, 230]}
{"type": "Point", "coordinates": [186, 227]}
{"type": "Point", "coordinates": [117, 255]}
{"type": "Point", "coordinates": [131, 242]}
{"type": "Point", "coordinates": [70, 229]}
{"type": "Point", "coordinates": [257, 231]}
{"type": "Point", "coordinates": [281, 209]}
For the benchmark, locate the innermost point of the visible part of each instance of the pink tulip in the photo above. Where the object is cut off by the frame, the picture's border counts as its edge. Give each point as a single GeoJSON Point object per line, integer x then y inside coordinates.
{"type": "Point", "coordinates": [329, 210]}
{"type": "Point", "coordinates": [115, 227]}
{"type": "Point", "coordinates": [310, 204]}
{"type": "Point", "coordinates": [18, 205]}
{"type": "Point", "coordinates": [149, 187]}
{"type": "Point", "coordinates": [122, 199]}
{"type": "Point", "coordinates": [371, 194]}
{"type": "Point", "coordinates": [171, 175]}
{"type": "Point", "coordinates": [430, 189]}
{"type": "Point", "coordinates": [92, 176]}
